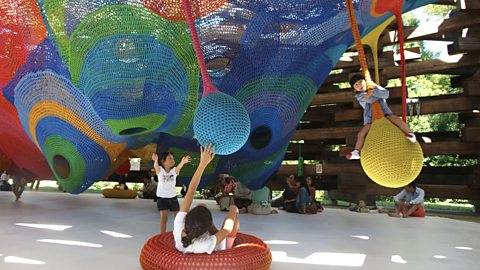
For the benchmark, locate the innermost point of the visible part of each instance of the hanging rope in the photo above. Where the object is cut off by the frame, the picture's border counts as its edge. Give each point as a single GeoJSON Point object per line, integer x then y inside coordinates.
{"type": "Point", "coordinates": [395, 7]}
{"type": "Point", "coordinates": [208, 86]}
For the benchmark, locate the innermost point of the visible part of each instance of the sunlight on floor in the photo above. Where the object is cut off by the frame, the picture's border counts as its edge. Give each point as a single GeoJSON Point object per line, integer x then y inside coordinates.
{"type": "Point", "coordinates": [323, 258]}
{"type": "Point", "coordinates": [116, 234]}
{"type": "Point", "coordinates": [363, 237]}
{"type": "Point", "coordinates": [439, 257]}
{"type": "Point", "coordinates": [398, 259]}
{"type": "Point", "coordinates": [45, 226]}
{"type": "Point", "coordinates": [20, 260]}
{"type": "Point", "coordinates": [70, 243]}
{"type": "Point", "coordinates": [464, 248]}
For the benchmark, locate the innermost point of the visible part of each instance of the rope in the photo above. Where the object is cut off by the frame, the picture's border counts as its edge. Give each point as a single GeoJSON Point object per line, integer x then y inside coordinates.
{"type": "Point", "coordinates": [208, 86]}
{"type": "Point", "coordinates": [394, 7]}
{"type": "Point", "coordinates": [363, 60]}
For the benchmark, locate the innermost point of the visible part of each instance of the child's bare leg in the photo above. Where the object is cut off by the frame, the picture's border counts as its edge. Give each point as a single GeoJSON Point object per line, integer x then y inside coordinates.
{"type": "Point", "coordinates": [361, 137]}
{"type": "Point", "coordinates": [163, 221]}
{"type": "Point", "coordinates": [399, 123]}
{"type": "Point", "coordinates": [232, 215]}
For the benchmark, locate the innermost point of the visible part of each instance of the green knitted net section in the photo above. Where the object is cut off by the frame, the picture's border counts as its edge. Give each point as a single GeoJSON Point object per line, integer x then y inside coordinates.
{"type": "Point", "coordinates": [136, 125]}
{"type": "Point", "coordinates": [56, 146]}
{"type": "Point", "coordinates": [130, 20]}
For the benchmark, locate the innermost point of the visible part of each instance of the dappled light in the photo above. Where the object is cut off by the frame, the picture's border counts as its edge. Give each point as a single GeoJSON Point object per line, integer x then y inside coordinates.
{"type": "Point", "coordinates": [363, 237]}
{"type": "Point", "coordinates": [464, 248]}
{"type": "Point", "coordinates": [323, 258]}
{"type": "Point", "coordinates": [116, 234]}
{"type": "Point", "coordinates": [20, 260]}
{"type": "Point", "coordinates": [45, 226]}
{"type": "Point", "coordinates": [398, 259]}
{"type": "Point", "coordinates": [70, 243]}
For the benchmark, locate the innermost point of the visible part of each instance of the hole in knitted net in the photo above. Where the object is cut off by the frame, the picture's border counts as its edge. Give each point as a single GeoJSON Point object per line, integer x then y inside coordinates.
{"type": "Point", "coordinates": [62, 166]}
{"type": "Point", "coordinates": [260, 137]}
{"type": "Point", "coordinates": [132, 131]}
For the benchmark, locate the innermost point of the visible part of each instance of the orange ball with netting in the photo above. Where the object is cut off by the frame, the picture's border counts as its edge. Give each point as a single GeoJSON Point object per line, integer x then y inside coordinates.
{"type": "Point", "coordinates": [388, 158]}
{"type": "Point", "coordinates": [248, 252]}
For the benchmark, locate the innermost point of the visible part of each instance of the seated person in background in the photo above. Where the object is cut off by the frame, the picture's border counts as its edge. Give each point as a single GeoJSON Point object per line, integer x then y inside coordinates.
{"type": "Point", "coordinates": [261, 202]}
{"type": "Point", "coordinates": [227, 198]}
{"type": "Point", "coordinates": [4, 185]}
{"type": "Point", "coordinates": [312, 191]}
{"type": "Point", "coordinates": [361, 207]}
{"type": "Point", "coordinates": [242, 197]}
{"type": "Point", "coordinates": [304, 203]}
{"type": "Point", "coordinates": [229, 188]}
{"type": "Point", "coordinates": [409, 202]}
{"type": "Point", "coordinates": [290, 187]}
{"type": "Point", "coordinates": [122, 182]}
{"type": "Point", "coordinates": [149, 190]}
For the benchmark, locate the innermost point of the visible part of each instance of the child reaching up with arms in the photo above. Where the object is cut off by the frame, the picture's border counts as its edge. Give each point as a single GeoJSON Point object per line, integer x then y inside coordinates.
{"type": "Point", "coordinates": [166, 188]}
{"type": "Point", "coordinates": [193, 229]}
{"type": "Point", "coordinates": [379, 94]}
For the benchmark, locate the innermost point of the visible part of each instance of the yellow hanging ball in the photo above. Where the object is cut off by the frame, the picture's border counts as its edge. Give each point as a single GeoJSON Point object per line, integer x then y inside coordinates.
{"type": "Point", "coordinates": [388, 158]}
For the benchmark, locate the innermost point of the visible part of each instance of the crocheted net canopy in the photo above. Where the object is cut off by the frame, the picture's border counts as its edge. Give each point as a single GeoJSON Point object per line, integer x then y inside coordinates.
{"type": "Point", "coordinates": [85, 84]}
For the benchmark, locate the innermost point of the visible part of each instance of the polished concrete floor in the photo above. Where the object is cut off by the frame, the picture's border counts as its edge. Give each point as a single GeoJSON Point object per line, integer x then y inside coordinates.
{"type": "Point", "coordinates": [93, 232]}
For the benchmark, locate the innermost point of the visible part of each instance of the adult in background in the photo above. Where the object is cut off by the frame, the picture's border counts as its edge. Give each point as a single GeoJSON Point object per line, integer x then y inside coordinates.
{"type": "Point", "coordinates": [242, 197]}
{"type": "Point", "coordinates": [409, 202]}
{"type": "Point", "coordinates": [149, 190]}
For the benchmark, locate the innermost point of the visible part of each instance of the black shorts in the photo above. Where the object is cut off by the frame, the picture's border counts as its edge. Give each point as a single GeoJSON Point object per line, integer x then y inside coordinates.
{"type": "Point", "coordinates": [168, 204]}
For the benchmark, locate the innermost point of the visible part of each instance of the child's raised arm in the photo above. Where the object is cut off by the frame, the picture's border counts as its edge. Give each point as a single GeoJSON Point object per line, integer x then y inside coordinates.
{"type": "Point", "coordinates": [155, 163]}
{"type": "Point", "coordinates": [185, 160]}
{"type": "Point", "coordinates": [206, 155]}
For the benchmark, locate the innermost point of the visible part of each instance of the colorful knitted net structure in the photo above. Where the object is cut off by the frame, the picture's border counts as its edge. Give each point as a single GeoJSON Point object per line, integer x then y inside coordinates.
{"type": "Point", "coordinates": [85, 84]}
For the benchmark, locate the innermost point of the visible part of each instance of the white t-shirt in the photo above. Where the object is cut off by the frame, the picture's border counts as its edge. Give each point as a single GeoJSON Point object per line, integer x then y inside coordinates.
{"type": "Point", "coordinates": [203, 244]}
{"type": "Point", "coordinates": [166, 183]}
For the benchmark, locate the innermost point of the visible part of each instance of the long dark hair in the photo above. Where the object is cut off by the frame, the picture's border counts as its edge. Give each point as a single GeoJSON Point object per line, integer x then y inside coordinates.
{"type": "Point", "coordinates": [197, 222]}
{"type": "Point", "coordinates": [162, 157]}
{"type": "Point", "coordinates": [303, 182]}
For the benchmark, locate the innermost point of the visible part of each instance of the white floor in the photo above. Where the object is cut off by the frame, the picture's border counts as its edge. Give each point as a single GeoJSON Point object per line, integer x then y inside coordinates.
{"type": "Point", "coordinates": [335, 239]}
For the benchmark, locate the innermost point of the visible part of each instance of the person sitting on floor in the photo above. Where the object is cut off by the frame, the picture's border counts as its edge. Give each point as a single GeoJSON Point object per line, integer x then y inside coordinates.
{"type": "Point", "coordinates": [290, 192]}
{"type": "Point", "coordinates": [409, 202]}
{"type": "Point", "coordinates": [242, 197]}
{"type": "Point", "coordinates": [149, 190]}
{"type": "Point", "coordinates": [361, 207]}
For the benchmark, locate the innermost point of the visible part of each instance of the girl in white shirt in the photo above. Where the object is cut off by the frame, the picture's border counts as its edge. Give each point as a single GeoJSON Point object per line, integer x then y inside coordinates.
{"type": "Point", "coordinates": [193, 230]}
{"type": "Point", "coordinates": [166, 188]}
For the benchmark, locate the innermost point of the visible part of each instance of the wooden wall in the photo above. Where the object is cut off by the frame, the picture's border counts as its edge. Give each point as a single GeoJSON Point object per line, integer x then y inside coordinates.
{"type": "Point", "coordinates": [334, 117]}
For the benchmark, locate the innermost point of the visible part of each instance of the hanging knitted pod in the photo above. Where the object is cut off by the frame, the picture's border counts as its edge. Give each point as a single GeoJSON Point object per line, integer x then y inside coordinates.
{"type": "Point", "coordinates": [219, 119]}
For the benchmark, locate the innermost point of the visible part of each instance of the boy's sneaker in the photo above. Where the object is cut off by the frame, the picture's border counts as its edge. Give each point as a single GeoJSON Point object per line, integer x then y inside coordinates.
{"type": "Point", "coordinates": [355, 154]}
{"type": "Point", "coordinates": [411, 137]}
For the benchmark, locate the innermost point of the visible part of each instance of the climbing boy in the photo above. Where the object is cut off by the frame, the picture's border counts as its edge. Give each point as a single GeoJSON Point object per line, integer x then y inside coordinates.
{"type": "Point", "coordinates": [379, 94]}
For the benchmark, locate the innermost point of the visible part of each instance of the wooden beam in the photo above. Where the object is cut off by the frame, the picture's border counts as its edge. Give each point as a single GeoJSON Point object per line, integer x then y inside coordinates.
{"type": "Point", "coordinates": [470, 119]}
{"type": "Point", "coordinates": [433, 66]}
{"type": "Point", "coordinates": [346, 96]}
{"type": "Point", "coordinates": [471, 85]}
{"type": "Point", "coordinates": [437, 148]}
{"type": "Point", "coordinates": [324, 133]}
{"type": "Point", "coordinates": [436, 29]}
{"type": "Point", "coordinates": [429, 105]}
{"type": "Point", "coordinates": [327, 169]}
{"type": "Point", "coordinates": [464, 45]}
{"type": "Point", "coordinates": [471, 134]}
{"type": "Point", "coordinates": [468, 4]}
